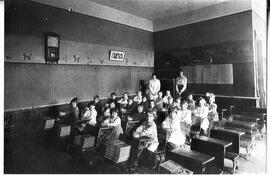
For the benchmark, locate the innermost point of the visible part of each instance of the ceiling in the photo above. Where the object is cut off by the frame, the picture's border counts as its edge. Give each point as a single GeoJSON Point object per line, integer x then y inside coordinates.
{"type": "Point", "coordinates": [156, 9]}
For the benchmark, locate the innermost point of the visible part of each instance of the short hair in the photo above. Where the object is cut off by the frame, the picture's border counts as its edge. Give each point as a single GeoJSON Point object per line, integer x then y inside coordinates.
{"type": "Point", "coordinates": [171, 109]}
{"type": "Point", "coordinates": [151, 101]}
{"type": "Point", "coordinates": [96, 96]}
{"type": "Point", "coordinates": [183, 102]}
{"type": "Point", "coordinates": [75, 99]}
{"type": "Point", "coordinates": [154, 74]}
{"type": "Point", "coordinates": [181, 70]}
{"type": "Point", "coordinates": [114, 110]}
{"type": "Point", "coordinates": [91, 103]}
{"type": "Point", "coordinates": [113, 93]}
{"type": "Point", "coordinates": [125, 93]}
{"type": "Point", "coordinates": [198, 101]}
{"type": "Point", "coordinates": [140, 105]}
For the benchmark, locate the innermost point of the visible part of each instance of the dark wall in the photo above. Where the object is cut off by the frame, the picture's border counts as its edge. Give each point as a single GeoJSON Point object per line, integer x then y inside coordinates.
{"type": "Point", "coordinates": [28, 18]}
{"type": "Point", "coordinates": [224, 40]}
{"type": "Point", "coordinates": [38, 84]}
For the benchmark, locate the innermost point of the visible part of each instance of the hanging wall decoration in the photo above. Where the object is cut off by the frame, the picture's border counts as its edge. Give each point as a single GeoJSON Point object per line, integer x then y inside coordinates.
{"type": "Point", "coordinates": [76, 59]}
{"type": "Point", "coordinates": [52, 43]}
{"type": "Point", "coordinates": [117, 55]}
{"type": "Point", "coordinates": [27, 56]}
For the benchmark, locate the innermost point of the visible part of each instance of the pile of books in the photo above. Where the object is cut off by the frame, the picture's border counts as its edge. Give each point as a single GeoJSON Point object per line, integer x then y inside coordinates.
{"type": "Point", "coordinates": [117, 151]}
{"type": "Point", "coordinates": [48, 123]}
{"type": "Point", "coordinates": [63, 130]}
{"type": "Point", "coordinates": [170, 167]}
{"type": "Point", "coordinates": [84, 141]}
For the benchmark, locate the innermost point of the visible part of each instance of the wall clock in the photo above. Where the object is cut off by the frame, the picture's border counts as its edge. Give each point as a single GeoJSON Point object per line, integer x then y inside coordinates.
{"type": "Point", "coordinates": [52, 42]}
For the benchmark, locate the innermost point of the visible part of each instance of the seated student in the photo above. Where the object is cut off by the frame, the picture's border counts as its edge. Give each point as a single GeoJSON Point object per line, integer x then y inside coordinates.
{"type": "Point", "coordinates": [149, 129]}
{"type": "Point", "coordinates": [138, 98]}
{"type": "Point", "coordinates": [177, 103]}
{"type": "Point", "coordinates": [201, 112]}
{"type": "Point", "coordinates": [92, 118]}
{"type": "Point", "coordinates": [145, 103]}
{"type": "Point", "coordinates": [213, 114]}
{"type": "Point", "coordinates": [123, 101]}
{"type": "Point", "coordinates": [105, 115]}
{"type": "Point", "coordinates": [168, 99]}
{"type": "Point", "coordinates": [130, 107]}
{"type": "Point", "coordinates": [139, 115]}
{"type": "Point", "coordinates": [185, 117]}
{"type": "Point", "coordinates": [112, 105]}
{"type": "Point", "coordinates": [115, 122]}
{"type": "Point", "coordinates": [159, 101]}
{"type": "Point", "coordinates": [89, 116]}
{"type": "Point", "coordinates": [152, 107]}
{"type": "Point", "coordinates": [98, 105]}
{"type": "Point", "coordinates": [172, 122]}
{"type": "Point", "coordinates": [191, 102]}
{"type": "Point", "coordinates": [112, 99]}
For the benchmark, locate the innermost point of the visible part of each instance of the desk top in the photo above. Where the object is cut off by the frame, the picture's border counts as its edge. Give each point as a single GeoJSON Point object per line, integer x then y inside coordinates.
{"type": "Point", "coordinates": [252, 124]}
{"type": "Point", "coordinates": [195, 155]}
{"type": "Point", "coordinates": [245, 116]}
{"type": "Point", "coordinates": [231, 130]}
{"type": "Point", "coordinates": [217, 141]}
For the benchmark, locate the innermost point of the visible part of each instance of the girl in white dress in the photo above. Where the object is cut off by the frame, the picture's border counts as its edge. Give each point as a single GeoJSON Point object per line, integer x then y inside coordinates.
{"type": "Point", "coordinates": [201, 113]}
{"type": "Point", "coordinates": [172, 122]}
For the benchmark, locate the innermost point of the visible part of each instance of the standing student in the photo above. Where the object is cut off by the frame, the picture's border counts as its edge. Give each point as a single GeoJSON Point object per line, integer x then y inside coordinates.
{"type": "Point", "coordinates": [172, 122]}
{"type": "Point", "coordinates": [154, 87]}
{"type": "Point", "coordinates": [115, 122]}
{"type": "Point", "coordinates": [181, 83]}
{"type": "Point", "coordinates": [201, 113]}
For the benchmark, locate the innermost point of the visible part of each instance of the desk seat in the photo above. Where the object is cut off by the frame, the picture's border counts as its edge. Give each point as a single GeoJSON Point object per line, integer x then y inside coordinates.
{"type": "Point", "coordinates": [193, 160]}
{"type": "Point", "coordinates": [246, 145]}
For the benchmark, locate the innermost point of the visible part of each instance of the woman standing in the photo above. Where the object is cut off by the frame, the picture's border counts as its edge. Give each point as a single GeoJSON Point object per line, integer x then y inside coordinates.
{"type": "Point", "coordinates": [154, 87]}
{"type": "Point", "coordinates": [181, 83]}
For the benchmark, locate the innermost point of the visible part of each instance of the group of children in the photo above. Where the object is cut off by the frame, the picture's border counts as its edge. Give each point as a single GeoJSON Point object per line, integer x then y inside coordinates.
{"type": "Point", "coordinates": [162, 112]}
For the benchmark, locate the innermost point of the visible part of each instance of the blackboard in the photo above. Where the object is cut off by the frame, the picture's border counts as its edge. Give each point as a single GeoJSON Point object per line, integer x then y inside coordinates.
{"type": "Point", "coordinates": [33, 85]}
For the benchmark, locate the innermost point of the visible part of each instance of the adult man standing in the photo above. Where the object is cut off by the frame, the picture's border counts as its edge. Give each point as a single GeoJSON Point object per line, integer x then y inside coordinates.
{"type": "Point", "coordinates": [181, 83]}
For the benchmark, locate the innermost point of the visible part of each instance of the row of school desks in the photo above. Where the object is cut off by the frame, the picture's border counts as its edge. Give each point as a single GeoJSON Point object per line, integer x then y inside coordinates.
{"type": "Point", "coordinates": [224, 142]}
{"type": "Point", "coordinates": [206, 154]}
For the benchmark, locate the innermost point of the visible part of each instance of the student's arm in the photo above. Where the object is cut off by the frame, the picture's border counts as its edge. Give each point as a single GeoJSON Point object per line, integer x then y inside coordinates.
{"type": "Point", "coordinates": [138, 131]}
{"type": "Point", "coordinates": [176, 85]}
{"type": "Point", "coordinates": [148, 131]}
{"type": "Point", "coordinates": [117, 122]}
{"type": "Point", "coordinates": [158, 86]}
{"type": "Point", "coordinates": [165, 124]}
{"type": "Point", "coordinates": [105, 122]}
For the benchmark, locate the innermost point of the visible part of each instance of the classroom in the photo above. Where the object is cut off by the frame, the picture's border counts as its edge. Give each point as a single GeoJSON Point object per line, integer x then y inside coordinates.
{"type": "Point", "coordinates": [135, 86]}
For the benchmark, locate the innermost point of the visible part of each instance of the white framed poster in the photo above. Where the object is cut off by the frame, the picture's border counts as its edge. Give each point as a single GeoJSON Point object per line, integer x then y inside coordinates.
{"type": "Point", "coordinates": [117, 55]}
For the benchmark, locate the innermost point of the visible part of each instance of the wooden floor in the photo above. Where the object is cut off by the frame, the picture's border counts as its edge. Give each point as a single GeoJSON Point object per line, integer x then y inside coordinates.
{"type": "Point", "coordinates": [33, 154]}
